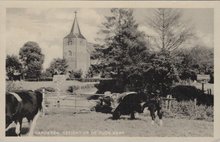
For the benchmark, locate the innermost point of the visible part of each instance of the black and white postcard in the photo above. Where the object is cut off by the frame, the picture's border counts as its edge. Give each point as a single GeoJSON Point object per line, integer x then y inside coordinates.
{"type": "Point", "coordinates": [93, 70]}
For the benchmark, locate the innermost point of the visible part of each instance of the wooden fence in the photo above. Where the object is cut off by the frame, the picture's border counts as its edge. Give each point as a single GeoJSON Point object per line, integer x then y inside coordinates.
{"type": "Point", "coordinates": [169, 100]}
{"type": "Point", "coordinates": [76, 103]}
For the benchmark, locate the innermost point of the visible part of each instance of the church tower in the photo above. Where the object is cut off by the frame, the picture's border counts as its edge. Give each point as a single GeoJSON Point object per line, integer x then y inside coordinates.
{"type": "Point", "coordinates": [75, 49]}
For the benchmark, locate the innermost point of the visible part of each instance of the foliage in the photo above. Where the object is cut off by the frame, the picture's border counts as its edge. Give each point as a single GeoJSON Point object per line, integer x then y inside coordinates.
{"type": "Point", "coordinates": [188, 110]}
{"type": "Point", "coordinates": [170, 31]}
{"type": "Point", "coordinates": [187, 93]}
{"type": "Point", "coordinates": [112, 85]}
{"type": "Point", "coordinates": [75, 74]}
{"type": "Point", "coordinates": [196, 60]}
{"type": "Point", "coordinates": [13, 65]}
{"type": "Point", "coordinates": [160, 74]}
{"type": "Point", "coordinates": [58, 67]}
{"type": "Point", "coordinates": [123, 47]}
{"type": "Point", "coordinates": [32, 59]}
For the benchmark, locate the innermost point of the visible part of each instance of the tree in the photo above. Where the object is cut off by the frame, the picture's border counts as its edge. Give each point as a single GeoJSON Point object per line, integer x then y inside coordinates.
{"type": "Point", "coordinates": [122, 47]}
{"type": "Point", "coordinates": [196, 60]}
{"type": "Point", "coordinates": [170, 31]}
{"type": "Point", "coordinates": [159, 73]}
{"type": "Point", "coordinates": [58, 66]}
{"type": "Point", "coordinates": [32, 59]}
{"type": "Point", "coordinates": [13, 66]}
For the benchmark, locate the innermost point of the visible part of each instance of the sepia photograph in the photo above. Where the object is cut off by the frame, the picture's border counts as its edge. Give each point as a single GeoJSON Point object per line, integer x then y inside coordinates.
{"type": "Point", "coordinates": [109, 72]}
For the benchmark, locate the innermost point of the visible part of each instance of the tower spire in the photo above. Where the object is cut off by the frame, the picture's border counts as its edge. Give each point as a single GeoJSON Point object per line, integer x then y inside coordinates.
{"type": "Point", "coordinates": [75, 30]}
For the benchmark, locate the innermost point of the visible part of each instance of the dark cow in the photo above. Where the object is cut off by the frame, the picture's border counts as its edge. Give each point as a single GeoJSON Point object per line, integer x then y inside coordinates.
{"type": "Point", "coordinates": [129, 103]}
{"type": "Point", "coordinates": [23, 104]}
{"type": "Point", "coordinates": [132, 102]}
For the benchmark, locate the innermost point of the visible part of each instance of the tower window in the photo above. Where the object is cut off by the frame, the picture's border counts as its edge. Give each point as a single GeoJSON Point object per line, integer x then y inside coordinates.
{"type": "Point", "coordinates": [69, 42]}
{"type": "Point", "coordinates": [70, 53]}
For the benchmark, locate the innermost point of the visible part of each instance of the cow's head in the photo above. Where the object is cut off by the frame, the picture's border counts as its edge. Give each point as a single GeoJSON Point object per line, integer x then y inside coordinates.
{"type": "Point", "coordinates": [140, 107]}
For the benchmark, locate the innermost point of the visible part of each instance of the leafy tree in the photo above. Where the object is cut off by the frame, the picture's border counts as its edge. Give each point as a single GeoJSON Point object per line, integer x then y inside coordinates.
{"type": "Point", "coordinates": [58, 66]}
{"type": "Point", "coordinates": [32, 59]}
{"type": "Point", "coordinates": [123, 46]}
{"type": "Point", "coordinates": [13, 66]}
{"type": "Point", "coordinates": [170, 30]}
{"type": "Point", "coordinates": [160, 73]}
{"type": "Point", "coordinates": [196, 60]}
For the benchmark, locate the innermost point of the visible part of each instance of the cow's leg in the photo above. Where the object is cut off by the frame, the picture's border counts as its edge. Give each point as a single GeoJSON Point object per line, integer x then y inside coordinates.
{"type": "Point", "coordinates": [152, 113]}
{"type": "Point", "coordinates": [9, 126]}
{"type": "Point", "coordinates": [116, 115]}
{"type": "Point", "coordinates": [18, 128]}
{"type": "Point", "coordinates": [160, 115]}
{"type": "Point", "coordinates": [33, 124]}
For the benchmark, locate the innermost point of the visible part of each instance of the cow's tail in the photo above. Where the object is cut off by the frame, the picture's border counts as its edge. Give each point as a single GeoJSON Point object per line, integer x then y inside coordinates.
{"type": "Point", "coordinates": [39, 96]}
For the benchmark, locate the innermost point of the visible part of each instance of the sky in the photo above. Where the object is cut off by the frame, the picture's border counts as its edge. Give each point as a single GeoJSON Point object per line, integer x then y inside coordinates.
{"type": "Point", "coordinates": [49, 26]}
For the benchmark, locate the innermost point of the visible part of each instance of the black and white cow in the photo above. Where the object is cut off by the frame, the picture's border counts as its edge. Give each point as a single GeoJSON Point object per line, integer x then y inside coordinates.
{"type": "Point", "coordinates": [23, 104]}
{"type": "Point", "coordinates": [154, 105]}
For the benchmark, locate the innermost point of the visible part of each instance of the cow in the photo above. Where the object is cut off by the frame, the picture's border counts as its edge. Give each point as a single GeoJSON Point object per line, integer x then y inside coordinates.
{"type": "Point", "coordinates": [23, 104]}
{"type": "Point", "coordinates": [128, 104]}
{"type": "Point", "coordinates": [132, 102]}
{"type": "Point", "coordinates": [154, 104]}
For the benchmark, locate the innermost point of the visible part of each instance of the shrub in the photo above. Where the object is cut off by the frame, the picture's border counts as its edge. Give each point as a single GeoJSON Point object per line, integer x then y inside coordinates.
{"type": "Point", "coordinates": [187, 109]}
{"type": "Point", "coordinates": [187, 93]}
{"type": "Point", "coordinates": [111, 85]}
{"type": "Point", "coordinates": [75, 74]}
{"type": "Point", "coordinates": [71, 89]}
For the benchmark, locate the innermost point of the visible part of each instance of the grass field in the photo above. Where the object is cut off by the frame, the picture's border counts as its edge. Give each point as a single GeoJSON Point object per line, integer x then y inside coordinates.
{"type": "Point", "coordinates": [99, 124]}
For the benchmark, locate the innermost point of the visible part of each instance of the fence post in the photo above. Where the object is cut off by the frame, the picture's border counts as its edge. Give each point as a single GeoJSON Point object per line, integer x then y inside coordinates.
{"type": "Point", "coordinates": [168, 102]}
{"type": "Point", "coordinates": [58, 96]}
{"type": "Point", "coordinates": [195, 103]}
{"type": "Point", "coordinates": [203, 87]}
{"type": "Point", "coordinates": [43, 102]}
{"type": "Point", "coordinates": [170, 99]}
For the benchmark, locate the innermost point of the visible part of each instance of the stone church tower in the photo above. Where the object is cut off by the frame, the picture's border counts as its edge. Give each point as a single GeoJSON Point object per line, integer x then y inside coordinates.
{"type": "Point", "coordinates": [75, 49]}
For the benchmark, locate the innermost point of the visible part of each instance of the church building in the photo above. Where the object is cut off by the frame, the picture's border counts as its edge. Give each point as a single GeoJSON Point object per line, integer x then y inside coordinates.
{"type": "Point", "coordinates": [76, 50]}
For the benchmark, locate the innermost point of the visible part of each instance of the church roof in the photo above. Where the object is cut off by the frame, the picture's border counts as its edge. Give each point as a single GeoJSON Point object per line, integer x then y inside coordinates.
{"type": "Point", "coordinates": [75, 30]}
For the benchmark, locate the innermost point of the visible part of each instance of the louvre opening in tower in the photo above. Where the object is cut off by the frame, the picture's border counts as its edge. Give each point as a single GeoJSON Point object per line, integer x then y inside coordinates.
{"type": "Point", "coordinates": [75, 49]}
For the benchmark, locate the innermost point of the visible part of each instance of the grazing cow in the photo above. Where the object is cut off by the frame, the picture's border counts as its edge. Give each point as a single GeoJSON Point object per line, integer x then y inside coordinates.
{"type": "Point", "coordinates": [132, 102]}
{"type": "Point", "coordinates": [23, 104]}
{"type": "Point", "coordinates": [128, 104]}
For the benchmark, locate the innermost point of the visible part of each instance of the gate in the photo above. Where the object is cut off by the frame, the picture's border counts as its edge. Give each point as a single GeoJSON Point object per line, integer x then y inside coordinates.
{"type": "Point", "coordinates": [76, 103]}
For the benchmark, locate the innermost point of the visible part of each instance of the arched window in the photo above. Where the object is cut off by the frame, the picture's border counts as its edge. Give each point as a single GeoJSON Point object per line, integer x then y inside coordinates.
{"type": "Point", "coordinates": [70, 53]}
{"type": "Point", "coordinates": [69, 42]}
